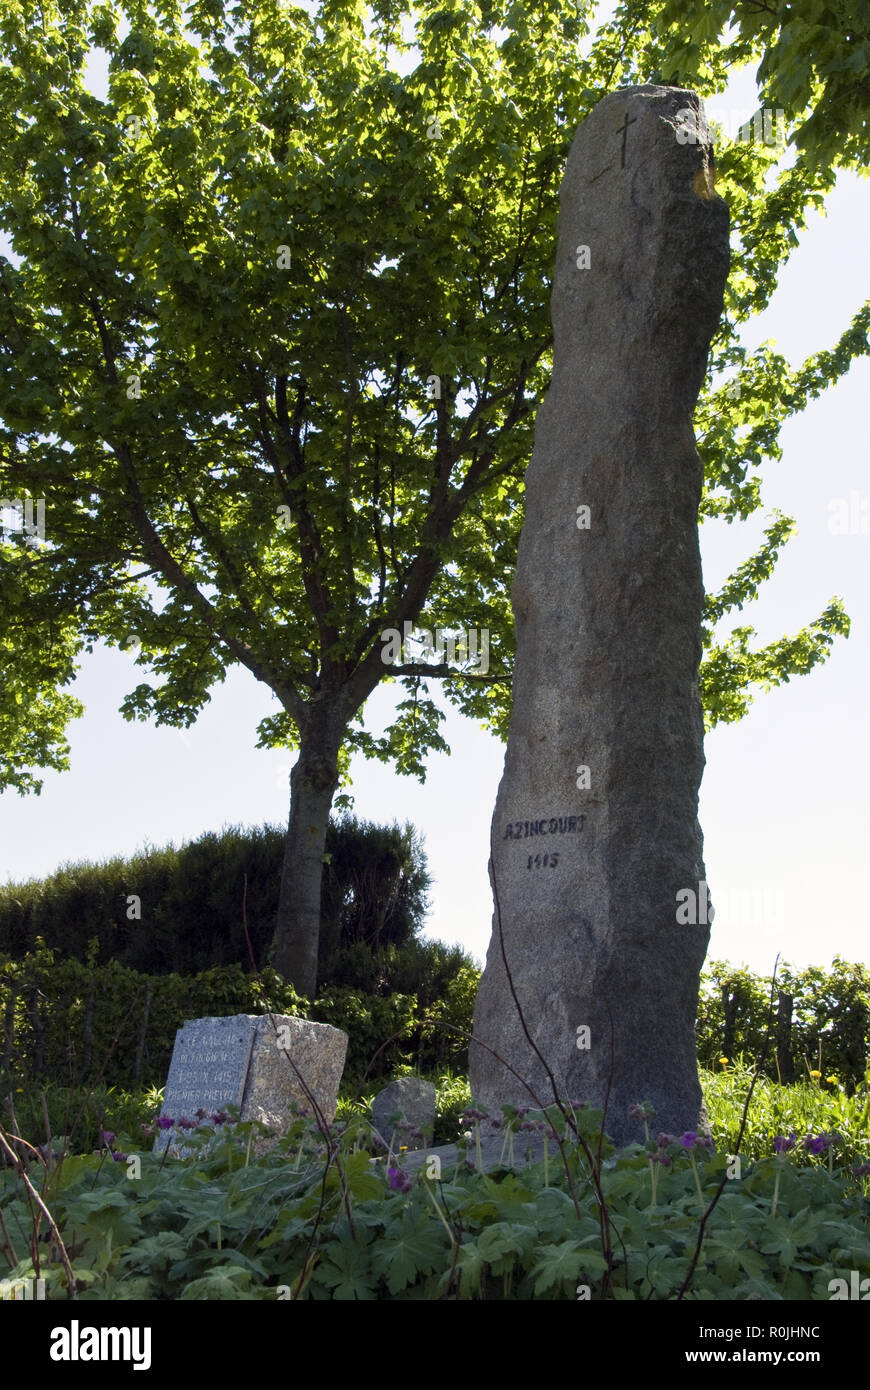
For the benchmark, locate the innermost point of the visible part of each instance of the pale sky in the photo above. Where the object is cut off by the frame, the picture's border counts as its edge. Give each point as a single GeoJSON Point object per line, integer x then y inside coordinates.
{"type": "Point", "coordinates": [783, 802]}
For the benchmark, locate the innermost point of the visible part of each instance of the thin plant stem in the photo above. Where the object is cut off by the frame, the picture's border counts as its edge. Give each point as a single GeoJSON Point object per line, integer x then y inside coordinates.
{"type": "Point", "coordinates": [441, 1217]}
{"type": "Point", "coordinates": [721, 1188]}
{"type": "Point", "coordinates": [35, 1197]}
{"type": "Point", "coordinates": [697, 1181]}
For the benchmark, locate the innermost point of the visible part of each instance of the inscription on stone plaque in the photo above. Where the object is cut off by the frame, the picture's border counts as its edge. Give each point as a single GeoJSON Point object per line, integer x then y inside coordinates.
{"type": "Point", "coordinates": [208, 1070]}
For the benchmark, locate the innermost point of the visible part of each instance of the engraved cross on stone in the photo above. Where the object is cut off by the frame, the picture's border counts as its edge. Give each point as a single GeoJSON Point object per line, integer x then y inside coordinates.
{"type": "Point", "coordinates": [623, 129]}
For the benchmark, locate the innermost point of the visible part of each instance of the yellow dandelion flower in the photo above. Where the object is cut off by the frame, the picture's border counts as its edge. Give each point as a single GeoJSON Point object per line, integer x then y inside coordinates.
{"type": "Point", "coordinates": [815, 1073]}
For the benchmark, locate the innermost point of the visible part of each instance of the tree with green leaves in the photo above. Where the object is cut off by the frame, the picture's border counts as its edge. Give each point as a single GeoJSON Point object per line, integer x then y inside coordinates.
{"type": "Point", "coordinates": [274, 324]}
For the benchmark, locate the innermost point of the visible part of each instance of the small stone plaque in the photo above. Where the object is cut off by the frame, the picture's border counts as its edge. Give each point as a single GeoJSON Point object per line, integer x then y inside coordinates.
{"type": "Point", "coordinates": [246, 1061]}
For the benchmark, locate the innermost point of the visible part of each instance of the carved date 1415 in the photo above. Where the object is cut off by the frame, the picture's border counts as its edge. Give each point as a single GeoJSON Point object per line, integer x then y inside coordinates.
{"type": "Point", "coordinates": [543, 861]}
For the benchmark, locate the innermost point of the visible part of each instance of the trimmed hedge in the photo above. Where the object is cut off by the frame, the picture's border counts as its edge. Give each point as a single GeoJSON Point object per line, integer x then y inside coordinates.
{"type": "Point", "coordinates": [179, 911]}
{"type": "Point", "coordinates": [70, 1023]}
{"type": "Point", "coordinates": [67, 1022]}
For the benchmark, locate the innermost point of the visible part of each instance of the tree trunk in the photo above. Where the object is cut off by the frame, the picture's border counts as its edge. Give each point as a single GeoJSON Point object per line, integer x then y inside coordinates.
{"type": "Point", "coordinates": [313, 784]}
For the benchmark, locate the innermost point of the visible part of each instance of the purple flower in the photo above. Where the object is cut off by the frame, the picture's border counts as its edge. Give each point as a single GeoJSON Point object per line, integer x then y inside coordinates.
{"type": "Point", "coordinates": [165, 1122]}
{"type": "Point", "coordinates": [398, 1180]}
{"type": "Point", "coordinates": [107, 1135]}
{"type": "Point", "coordinates": [782, 1145]}
{"type": "Point", "coordinates": [689, 1139]}
{"type": "Point", "coordinates": [220, 1117]}
{"type": "Point", "coordinates": [860, 1170]}
{"type": "Point", "coordinates": [184, 1123]}
{"type": "Point", "coordinates": [815, 1145]}
{"type": "Point", "coordinates": [200, 1113]}
{"type": "Point", "coordinates": [664, 1159]}
{"type": "Point", "coordinates": [663, 1140]}
{"type": "Point", "coordinates": [119, 1158]}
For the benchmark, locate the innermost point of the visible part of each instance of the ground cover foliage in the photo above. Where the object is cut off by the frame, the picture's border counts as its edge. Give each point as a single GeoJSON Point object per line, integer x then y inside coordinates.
{"type": "Point", "coordinates": [773, 1205]}
{"type": "Point", "coordinates": [317, 1219]}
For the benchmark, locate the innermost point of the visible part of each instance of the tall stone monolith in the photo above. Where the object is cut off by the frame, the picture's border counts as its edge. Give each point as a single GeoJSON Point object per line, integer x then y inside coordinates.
{"type": "Point", "coordinates": [597, 853]}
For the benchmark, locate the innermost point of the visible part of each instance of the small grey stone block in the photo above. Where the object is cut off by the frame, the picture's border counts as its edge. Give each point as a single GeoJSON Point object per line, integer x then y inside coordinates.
{"type": "Point", "coordinates": [409, 1096]}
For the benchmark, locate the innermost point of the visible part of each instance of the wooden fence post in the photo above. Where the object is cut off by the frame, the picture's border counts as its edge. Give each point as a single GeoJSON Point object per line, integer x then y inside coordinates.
{"type": "Point", "coordinates": [783, 1037]}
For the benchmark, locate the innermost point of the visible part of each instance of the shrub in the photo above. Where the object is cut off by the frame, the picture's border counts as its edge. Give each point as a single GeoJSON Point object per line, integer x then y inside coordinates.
{"type": "Point", "coordinates": [374, 895]}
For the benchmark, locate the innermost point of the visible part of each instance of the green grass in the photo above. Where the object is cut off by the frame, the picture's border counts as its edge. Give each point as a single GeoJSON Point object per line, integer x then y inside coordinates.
{"type": "Point", "coordinates": [80, 1113]}
{"type": "Point", "coordinates": [808, 1107]}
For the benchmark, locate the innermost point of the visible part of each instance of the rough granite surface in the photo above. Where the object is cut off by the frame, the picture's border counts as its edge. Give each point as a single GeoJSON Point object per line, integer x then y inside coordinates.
{"type": "Point", "coordinates": [413, 1099]}
{"type": "Point", "coordinates": [608, 606]}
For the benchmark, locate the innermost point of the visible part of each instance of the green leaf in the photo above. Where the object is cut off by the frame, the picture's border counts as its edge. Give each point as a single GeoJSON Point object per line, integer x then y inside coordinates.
{"type": "Point", "coordinates": [557, 1264]}
{"type": "Point", "coordinates": [413, 1246]}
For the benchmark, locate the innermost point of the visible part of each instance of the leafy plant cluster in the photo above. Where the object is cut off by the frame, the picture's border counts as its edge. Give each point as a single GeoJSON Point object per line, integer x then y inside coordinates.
{"type": "Point", "coordinates": [81, 1113]}
{"type": "Point", "coordinates": [317, 1218]}
{"type": "Point", "coordinates": [74, 1117]}
{"type": "Point", "coordinates": [809, 1107]}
